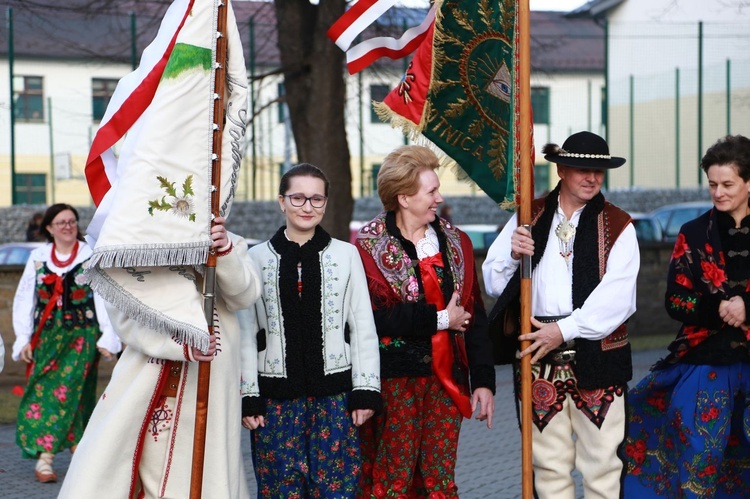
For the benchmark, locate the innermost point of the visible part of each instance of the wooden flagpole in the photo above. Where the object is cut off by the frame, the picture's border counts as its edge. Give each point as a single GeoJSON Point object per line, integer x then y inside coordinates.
{"type": "Point", "coordinates": [525, 195]}
{"type": "Point", "coordinates": [209, 281]}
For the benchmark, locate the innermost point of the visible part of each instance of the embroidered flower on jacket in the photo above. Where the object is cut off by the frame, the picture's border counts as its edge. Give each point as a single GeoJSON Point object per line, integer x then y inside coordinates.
{"type": "Point", "coordinates": [684, 281]}
{"type": "Point", "coordinates": [713, 275]}
{"type": "Point", "coordinates": [680, 247]}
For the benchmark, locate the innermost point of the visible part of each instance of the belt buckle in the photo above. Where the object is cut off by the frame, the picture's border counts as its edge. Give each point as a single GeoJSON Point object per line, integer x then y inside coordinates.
{"type": "Point", "coordinates": [565, 356]}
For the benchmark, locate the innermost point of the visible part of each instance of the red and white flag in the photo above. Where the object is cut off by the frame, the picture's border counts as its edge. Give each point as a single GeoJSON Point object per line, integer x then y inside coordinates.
{"type": "Point", "coordinates": [153, 199]}
{"type": "Point", "coordinates": [361, 15]}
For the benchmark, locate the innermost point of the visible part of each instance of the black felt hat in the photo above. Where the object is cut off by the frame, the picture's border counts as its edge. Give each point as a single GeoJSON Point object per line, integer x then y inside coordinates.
{"type": "Point", "coordinates": [582, 150]}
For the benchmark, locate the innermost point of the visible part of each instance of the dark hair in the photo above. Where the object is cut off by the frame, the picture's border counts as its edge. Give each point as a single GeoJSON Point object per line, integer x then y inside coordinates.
{"type": "Point", "coordinates": [302, 170]}
{"type": "Point", "coordinates": [50, 215]}
{"type": "Point", "coordinates": [730, 150]}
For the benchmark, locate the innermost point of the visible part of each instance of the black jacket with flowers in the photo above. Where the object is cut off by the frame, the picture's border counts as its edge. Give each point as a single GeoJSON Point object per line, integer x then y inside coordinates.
{"type": "Point", "coordinates": [709, 264]}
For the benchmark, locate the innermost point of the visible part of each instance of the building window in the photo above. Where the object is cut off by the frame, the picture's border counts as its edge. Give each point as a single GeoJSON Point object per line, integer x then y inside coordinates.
{"type": "Point", "coordinates": [377, 94]}
{"type": "Point", "coordinates": [101, 92]}
{"type": "Point", "coordinates": [540, 105]}
{"type": "Point", "coordinates": [283, 108]}
{"type": "Point", "coordinates": [31, 188]}
{"type": "Point", "coordinates": [28, 94]}
{"type": "Point", "coordinates": [541, 179]}
{"type": "Point", "coordinates": [604, 106]}
{"type": "Point", "coordinates": [374, 178]}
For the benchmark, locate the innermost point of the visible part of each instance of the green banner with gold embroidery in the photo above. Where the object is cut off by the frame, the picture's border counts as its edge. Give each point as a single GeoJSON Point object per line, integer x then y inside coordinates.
{"type": "Point", "coordinates": [468, 71]}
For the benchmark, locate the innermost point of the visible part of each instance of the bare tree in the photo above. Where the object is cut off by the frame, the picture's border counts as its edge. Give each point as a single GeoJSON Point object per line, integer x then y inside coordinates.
{"type": "Point", "coordinates": [313, 70]}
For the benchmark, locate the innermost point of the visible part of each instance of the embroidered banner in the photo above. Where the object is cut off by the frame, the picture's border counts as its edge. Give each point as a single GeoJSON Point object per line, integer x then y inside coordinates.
{"type": "Point", "coordinates": [153, 201]}
{"type": "Point", "coordinates": [458, 92]}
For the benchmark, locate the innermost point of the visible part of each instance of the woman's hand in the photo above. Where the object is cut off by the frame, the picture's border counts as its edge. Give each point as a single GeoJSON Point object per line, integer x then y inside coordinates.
{"type": "Point", "coordinates": [732, 311]}
{"type": "Point", "coordinates": [219, 233]}
{"type": "Point", "coordinates": [252, 422]}
{"type": "Point", "coordinates": [106, 354]}
{"type": "Point", "coordinates": [521, 243]}
{"type": "Point", "coordinates": [27, 354]}
{"type": "Point", "coordinates": [486, 401]}
{"type": "Point", "coordinates": [359, 416]}
{"type": "Point", "coordinates": [458, 317]}
{"type": "Point", "coordinates": [208, 356]}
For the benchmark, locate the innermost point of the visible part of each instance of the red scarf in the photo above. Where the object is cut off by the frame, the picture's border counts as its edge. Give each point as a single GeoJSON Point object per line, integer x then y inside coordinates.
{"type": "Point", "coordinates": [54, 301]}
{"type": "Point", "coordinates": [442, 351]}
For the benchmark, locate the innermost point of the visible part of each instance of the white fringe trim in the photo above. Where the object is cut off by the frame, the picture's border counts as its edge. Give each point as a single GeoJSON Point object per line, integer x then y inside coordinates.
{"type": "Point", "coordinates": [146, 316]}
{"type": "Point", "coordinates": [149, 255]}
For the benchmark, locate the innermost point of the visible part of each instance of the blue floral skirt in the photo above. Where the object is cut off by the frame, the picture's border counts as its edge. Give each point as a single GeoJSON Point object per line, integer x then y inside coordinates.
{"type": "Point", "coordinates": [308, 448]}
{"type": "Point", "coordinates": [689, 433]}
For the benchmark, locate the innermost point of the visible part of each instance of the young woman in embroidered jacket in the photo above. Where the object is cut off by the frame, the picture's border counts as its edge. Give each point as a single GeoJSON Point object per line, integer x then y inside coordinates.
{"type": "Point", "coordinates": [61, 330]}
{"type": "Point", "coordinates": [433, 334]}
{"type": "Point", "coordinates": [310, 364]}
{"type": "Point", "coordinates": [688, 433]}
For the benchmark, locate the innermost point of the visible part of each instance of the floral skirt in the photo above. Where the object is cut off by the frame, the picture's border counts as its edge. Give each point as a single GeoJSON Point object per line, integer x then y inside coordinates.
{"type": "Point", "coordinates": [308, 448]}
{"type": "Point", "coordinates": [60, 394]}
{"type": "Point", "coordinates": [689, 433]}
{"type": "Point", "coordinates": [409, 450]}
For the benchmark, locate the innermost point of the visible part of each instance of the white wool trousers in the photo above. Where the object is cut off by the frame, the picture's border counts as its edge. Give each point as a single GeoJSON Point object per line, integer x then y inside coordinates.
{"type": "Point", "coordinates": [571, 440]}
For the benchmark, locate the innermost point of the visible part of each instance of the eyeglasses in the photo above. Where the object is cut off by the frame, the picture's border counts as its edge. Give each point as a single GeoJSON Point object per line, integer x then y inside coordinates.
{"type": "Point", "coordinates": [66, 223]}
{"type": "Point", "coordinates": [299, 200]}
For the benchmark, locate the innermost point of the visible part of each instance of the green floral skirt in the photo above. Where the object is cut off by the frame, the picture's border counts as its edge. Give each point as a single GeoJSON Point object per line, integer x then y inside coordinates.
{"type": "Point", "coordinates": [61, 391]}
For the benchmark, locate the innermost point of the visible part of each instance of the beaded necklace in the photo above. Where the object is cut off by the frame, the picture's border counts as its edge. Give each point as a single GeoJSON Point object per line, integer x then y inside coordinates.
{"type": "Point", "coordinates": [63, 263]}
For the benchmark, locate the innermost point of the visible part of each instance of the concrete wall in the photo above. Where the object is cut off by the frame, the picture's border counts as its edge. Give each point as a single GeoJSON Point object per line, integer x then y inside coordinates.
{"type": "Point", "coordinates": [260, 219]}
{"type": "Point", "coordinates": [651, 317]}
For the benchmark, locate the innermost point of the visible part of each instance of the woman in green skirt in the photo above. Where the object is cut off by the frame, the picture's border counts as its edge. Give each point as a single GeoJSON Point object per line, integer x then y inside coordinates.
{"type": "Point", "coordinates": [61, 330]}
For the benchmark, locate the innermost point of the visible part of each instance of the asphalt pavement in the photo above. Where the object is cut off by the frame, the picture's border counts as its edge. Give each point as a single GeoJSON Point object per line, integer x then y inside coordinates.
{"type": "Point", "coordinates": [489, 461]}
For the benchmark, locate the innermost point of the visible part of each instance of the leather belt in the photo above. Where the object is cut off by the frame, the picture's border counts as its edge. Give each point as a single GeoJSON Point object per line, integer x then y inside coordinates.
{"type": "Point", "coordinates": [565, 353]}
{"type": "Point", "coordinates": [173, 379]}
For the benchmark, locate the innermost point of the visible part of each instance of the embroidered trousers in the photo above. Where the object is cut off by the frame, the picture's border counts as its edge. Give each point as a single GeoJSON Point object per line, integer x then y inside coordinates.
{"type": "Point", "coordinates": [593, 452]}
{"type": "Point", "coordinates": [410, 449]}
{"type": "Point", "coordinates": [156, 446]}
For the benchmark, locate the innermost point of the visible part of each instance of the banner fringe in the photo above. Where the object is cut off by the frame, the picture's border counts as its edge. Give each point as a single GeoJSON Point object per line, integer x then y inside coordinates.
{"type": "Point", "coordinates": [150, 255]}
{"type": "Point", "coordinates": [144, 315]}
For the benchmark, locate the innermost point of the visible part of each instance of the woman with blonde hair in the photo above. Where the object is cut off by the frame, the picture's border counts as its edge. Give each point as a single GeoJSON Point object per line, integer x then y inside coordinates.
{"type": "Point", "coordinates": [435, 353]}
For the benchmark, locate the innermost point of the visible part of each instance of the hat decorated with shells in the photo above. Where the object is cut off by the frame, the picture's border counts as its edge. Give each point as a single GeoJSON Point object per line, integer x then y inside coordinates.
{"type": "Point", "coordinates": [582, 150]}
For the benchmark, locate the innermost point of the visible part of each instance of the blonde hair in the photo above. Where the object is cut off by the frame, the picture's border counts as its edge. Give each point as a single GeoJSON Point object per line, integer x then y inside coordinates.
{"type": "Point", "coordinates": [400, 171]}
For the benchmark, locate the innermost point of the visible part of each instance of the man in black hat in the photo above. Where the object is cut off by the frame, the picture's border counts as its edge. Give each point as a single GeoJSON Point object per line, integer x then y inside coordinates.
{"type": "Point", "coordinates": [585, 261]}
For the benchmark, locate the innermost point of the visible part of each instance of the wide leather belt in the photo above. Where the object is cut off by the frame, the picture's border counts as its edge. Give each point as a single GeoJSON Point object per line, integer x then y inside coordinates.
{"type": "Point", "coordinates": [563, 354]}
{"type": "Point", "coordinates": [173, 379]}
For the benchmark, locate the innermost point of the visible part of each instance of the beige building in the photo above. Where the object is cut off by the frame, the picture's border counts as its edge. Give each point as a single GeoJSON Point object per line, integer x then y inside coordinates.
{"type": "Point", "coordinates": [678, 79]}
{"type": "Point", "coordinates": [64, 77]}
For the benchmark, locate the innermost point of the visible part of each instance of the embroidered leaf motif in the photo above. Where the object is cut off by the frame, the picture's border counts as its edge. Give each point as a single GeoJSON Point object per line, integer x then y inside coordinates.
{"type": "Point", "coordinates": [167, 186]}
{"type": "Point", "coordinates": [158, 205]}
{"type": "Point", "coordinates": [182, 206]}
{"type": "Point", "coordinates": [187, 186]}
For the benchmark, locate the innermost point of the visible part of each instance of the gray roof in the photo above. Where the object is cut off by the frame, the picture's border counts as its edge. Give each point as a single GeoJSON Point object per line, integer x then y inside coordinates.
{"type": "Point", "coordinates": [559, 43]}
{"type": "Point", "coordinates": [563, 44]}
{"type": "Point", "coordinates": [594, 8]}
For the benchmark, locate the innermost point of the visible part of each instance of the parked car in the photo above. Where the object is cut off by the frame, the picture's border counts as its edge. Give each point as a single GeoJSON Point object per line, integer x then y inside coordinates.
{"type": "Point", "coordinates": [672, 216]}
{"type": "Point", "coordinates": [647, 228]}
{"type": "Point", "coordinates": [481, 235]}
{"type": "Point", "coordinates": [16, 253]}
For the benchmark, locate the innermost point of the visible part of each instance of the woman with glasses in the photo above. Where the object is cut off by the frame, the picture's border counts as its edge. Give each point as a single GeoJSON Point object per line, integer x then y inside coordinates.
{"type": "Point", "coordinates": [61, 331]}
{"type": "Point", "coordinates": [433, 334]}
{"type": "Point", "coordinates": [310, 365]}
